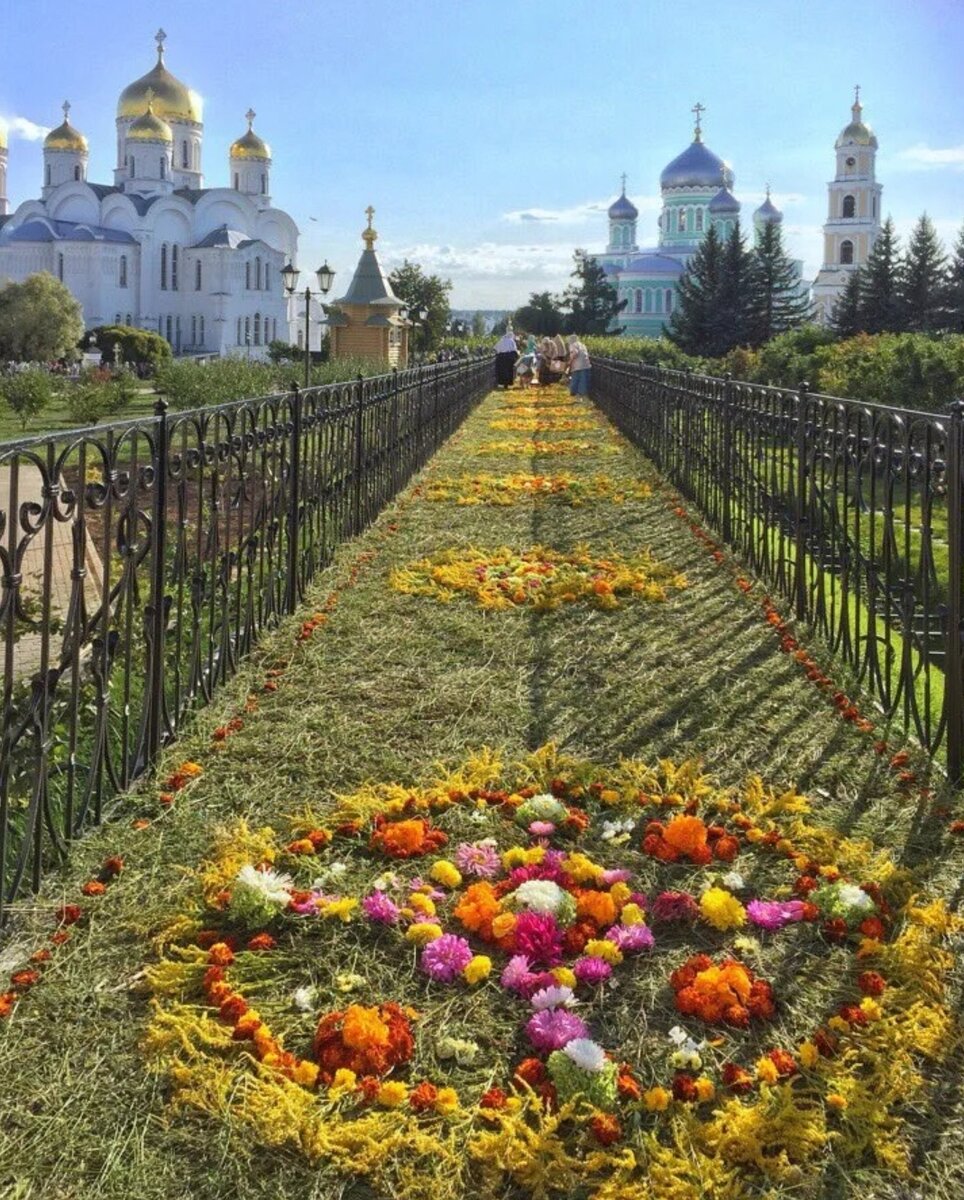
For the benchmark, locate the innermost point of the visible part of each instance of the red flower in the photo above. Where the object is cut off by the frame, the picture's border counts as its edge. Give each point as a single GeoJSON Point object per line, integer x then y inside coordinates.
{"type": "Point", "coordinates": [24, 979]}
{"type": "Point", "coordinates": [221, 955]}
{"type": "Point", "coordinates": [784, 1062]}
{"type": "Point", "coordinates": [853, 1014]}
{"type": "Point", "coordinates": [41, 956]}
{"type": "Point", "coordinates": [684, 1088]}
{"type": "Point", "coordinates": [61, 936]}
{"type": "Point", "coordinates": [93, 887]}
{"type": "Point", "coordinates": [70, 914]}
{"type": "Point", "coordinates": [369, 1086]}
{"type": "Point", "coordinates": [726, 848]}
{"type": "Point", "coordinates": [493, 1098]}
{"type": "Point", "coordinates": [531, 1071]}
{"type": "Point", "coordinates": [870, 983]}
{"type": "Point", "coordinates": [825, 1042]}
{"type": "Point", "coordinates": [605, 1129]}
{"type": "Point", "coordinates": [7, 1001]}
{"type": "Point", "coordinates": [423, 1097]}
{"type": "Point", "coordinates": [835, 930]}
{"type": "Point", "coordinates": [872, 927]}
{"type": "Point", "coordinates": [262, 941]}
{"type": "Point", "coordinates": [627, 1084]}
{"type": "Point", "coordinates": [737, 1079]}
{"type": "Point", "coordinates": [111, 867]}
{"type": "Point", "coordinates": [232, 1009]}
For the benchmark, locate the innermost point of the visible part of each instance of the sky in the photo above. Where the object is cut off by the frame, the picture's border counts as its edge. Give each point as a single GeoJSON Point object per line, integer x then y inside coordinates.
{"type": "Point", "coordinates": [490, 136]}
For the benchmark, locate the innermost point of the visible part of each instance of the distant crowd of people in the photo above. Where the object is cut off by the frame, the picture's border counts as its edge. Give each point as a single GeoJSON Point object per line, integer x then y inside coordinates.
{"type": "Point", "coordinates": [548, 361]}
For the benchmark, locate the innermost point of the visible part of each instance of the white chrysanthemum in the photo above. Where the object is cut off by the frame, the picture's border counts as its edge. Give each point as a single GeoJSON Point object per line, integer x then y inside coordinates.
{"type": "Point", "coordinates": [617, 829]}
{"type": "Point", "coordinates": [553, 997]}
{"type": "Point", "coordinates": [543, 807]}
{"type": "Point", "coordinates": [733, 881]}
{"type": "Point", "coordinates": [304, 999]}
{"type": "Point", "coordinates": [586, 1054]}
{"type": "Point", "coordinates": [462, 1051]}
{"type": "Point", "coordinates": [540, 895]}
{"type": "Point", "coordinates": [269, 887]}
{"type": "Point", "coordinates": [854, 897]}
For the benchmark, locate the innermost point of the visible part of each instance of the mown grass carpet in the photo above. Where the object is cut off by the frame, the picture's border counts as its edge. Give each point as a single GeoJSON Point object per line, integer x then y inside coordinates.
{"type": "Point", "coordinates": [383, 688]}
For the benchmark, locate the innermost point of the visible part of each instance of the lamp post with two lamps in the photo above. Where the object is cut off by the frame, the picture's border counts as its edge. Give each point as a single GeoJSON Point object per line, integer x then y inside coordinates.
{"type": "Point", "coordinates": [326, 276]}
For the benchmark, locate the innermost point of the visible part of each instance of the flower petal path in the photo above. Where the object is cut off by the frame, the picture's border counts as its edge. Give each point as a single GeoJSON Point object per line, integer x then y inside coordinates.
{"type": "Point", "coordinates": [379, 686]}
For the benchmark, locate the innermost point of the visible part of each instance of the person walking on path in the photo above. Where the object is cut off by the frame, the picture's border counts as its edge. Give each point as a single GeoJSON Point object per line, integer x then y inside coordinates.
{"type": "Point", "coordinates": [579, 367]}
{"type": "Point", "coordinates": [506, 352]}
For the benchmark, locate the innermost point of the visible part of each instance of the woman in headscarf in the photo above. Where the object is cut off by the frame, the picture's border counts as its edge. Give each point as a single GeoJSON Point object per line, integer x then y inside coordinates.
{"type": "Point", "coordinates": [545, 360]}
{"type": "Point", "coordinates": [506, 352]}
{"type": "Point", "coordinates": [579, 367]}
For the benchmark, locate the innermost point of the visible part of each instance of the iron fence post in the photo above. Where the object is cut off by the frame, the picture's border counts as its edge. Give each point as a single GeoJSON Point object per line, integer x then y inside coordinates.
{"type": "Point", "coordinates": [156, 608]}
{"type": "Point", "coordinates": [726, 481]}
{"type": "Point", "coordinates": [294, 500]}
{"type": "Point", "coordinates": [395, 470]}
{"type": "Point", "coordinates": [955, 602]}
{"type": "Point", "coordinates": [800, 507]}
{"type": "Point", "coordinates": [359, 453]}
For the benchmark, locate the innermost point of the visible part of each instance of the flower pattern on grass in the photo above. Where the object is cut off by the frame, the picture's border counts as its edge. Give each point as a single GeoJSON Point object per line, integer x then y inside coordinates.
{"type": "Point", "coordinates": [537, 446]}
{"type": "Point", "coordinates": [538, 578]}
{"type": "Point", "coordinates": [505, 490]}
{"type": "Point", "coordinates": [541, 424]}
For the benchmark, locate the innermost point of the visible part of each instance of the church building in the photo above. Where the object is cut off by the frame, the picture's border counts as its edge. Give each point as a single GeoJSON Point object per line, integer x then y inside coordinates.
{"type": "Point", "coordinates": [696, 189]}
{"type": "Point", "coordinates": [155, 248]}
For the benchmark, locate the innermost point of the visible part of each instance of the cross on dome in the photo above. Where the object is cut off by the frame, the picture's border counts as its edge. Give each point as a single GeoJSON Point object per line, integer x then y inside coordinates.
{"type": "Point", "coordinates": [150, 100]}
{"type": "Point", "coordinates": [768, 191]}
{"type": "Point", "coordinates": [66, 107]}
{"type": "Point", "coordinates": [369, 235]}
{"type": "Point", "coordinates": [623, 177]}
{"type": "Point", "coordinates": [160, 37]}
{"type": "Point", "coordinates": [249, 117]}
{"type": "Point", "coordinates": [698, 109]}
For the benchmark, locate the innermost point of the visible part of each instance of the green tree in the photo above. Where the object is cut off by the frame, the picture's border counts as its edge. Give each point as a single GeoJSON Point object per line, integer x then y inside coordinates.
{"type": "Point", "coordinates": [923, 284]}
{"type": "Point", "coordinates": [418, 290]}
{"type": "Point", "coordinates": [39, 320]}
{"type": "Point", "coordinates": [94, 396]}
{"type": "Point", "coordinates": [881, 307]}
{"type": "Point", "coordinates": [27, 393]}
{"type": "Point", "coordinates": [540, 316]}
{"type": "Point", "coordinates": [845, 320]}
{"type": "Point", "coordinates": [730, 317]}
{"type": "Point", "coordinates": [478, 325]}
{"type": "Point", "coordinates": [138, 347]}
{"type": "Point", "coordinates": [954, 316]}
{"type": "Point", "coordinates": [691, 325]}
{"type": "Point", "coordinates": [591, 303]}
{"type": "Point", "coordinates": [776, 301]}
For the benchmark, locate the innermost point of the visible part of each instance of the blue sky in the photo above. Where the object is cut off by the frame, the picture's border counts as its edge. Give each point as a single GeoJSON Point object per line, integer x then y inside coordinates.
{"type": "Point", "coordinates": [490, 137]}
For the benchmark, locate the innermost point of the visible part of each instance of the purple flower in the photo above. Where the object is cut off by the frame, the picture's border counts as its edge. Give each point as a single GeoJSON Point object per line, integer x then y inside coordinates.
{"type": "Point", "coordinates": [553, 1028]}
{"type": "Point", "coordinates": [615, 875]}
{"type": "Point", "coordinates": [515, 973]}
{"type": "Point", "coordinates": [536, 981]}
{"type": "Point", "coordinates": [380, 908]}
{"type": "Point", "coordinates": [446, 958]}
{"type": "Point", "coordinates": [548, 871]}
{"type": "Point", "coordinates": [542, 829]}
{"type": "Point", "coordinates": [539, 938]}
{"type": "Point", "coordinates": [774, 914]}
{"type": "Point", "coordinates": [631, 938]}
{"type": "Point", "coordinates": [479, 860]}
{"type": "Point", "coordinates": [675, 906]}
{"type": "Point", "coordinates": [591, 970]}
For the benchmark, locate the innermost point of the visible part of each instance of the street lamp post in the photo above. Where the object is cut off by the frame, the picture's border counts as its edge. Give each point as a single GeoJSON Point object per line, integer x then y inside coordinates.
{"type": "Point", "coordinates": [417, 317]}
{"type": "Point", "coordinates": [326, 275]}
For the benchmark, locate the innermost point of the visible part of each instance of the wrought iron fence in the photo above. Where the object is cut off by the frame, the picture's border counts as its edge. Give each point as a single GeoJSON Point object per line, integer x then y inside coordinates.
{"type": "Point", "coordinates": [141, 560]}
{"type": "Point", "coordinates": [852, 512]}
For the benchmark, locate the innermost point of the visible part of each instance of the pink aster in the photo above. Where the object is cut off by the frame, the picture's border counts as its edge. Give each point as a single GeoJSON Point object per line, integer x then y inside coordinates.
{"type": "Point", "coordinates": [774, 914]}
{"type": "Point", "coordinates": [550, 871]}
{"type": "Point", "coordinates": [515, 973]}
{"type": "Point", "coordinates": [615, 875]}
{"type": "Point", "coordinates": [631, 938]}
{"type": "Point", "coordinates": [553, 1028]}
{"type": "Point", "coordinates": [536, 982]}
{"type": "Point", "coordinates": [446, 958]}
{"type": "Point", "coordinates": [541, 829]}
{"type": "Point", "coordinates": [539, 938]}
{"type": "Point", "coordinates": [479, 860]}
{"type": "Point", "coordinates": [675, 906]}
{"type": "Point", "coordinates": [380, 908]}
{"type": "Point", "coordinates": [591, 970]}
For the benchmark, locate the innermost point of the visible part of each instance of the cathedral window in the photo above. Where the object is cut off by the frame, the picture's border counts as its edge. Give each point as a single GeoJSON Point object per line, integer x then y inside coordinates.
{"type": "Point", "coordinates": [174, 268]}
{"type": "Point", "coordinates": [699, 220]}
{"type": "Point", "coordinates": [194, 331]}
{"type": "Point", "coordinates": [875, 206]}
{"type": "Point", "coordinates": [132, 166]}
{"type": "Point", "coordinates": [849, 206]}
{"type": "Point", "coordinates": [247, 276]}
{"type": "Point", "coordinates": [60, 267]}
{"type": "Point", "coordinates": [257, 329]}
{"type": "Point", "coordinates": [638, 307]}
{"type": "Point", "coordinates": [264, 185]}
{"type": "Point", "coordinates": [164, 267]}
{"type": "Point", "coordinates": [122, 278]}
{"type": "Point", "coordinates": [669, 301]}
{"type": "Point", "coordinates": [163, 167]}
{"type": "Point", "coordinates": [247, 331]}
{"type": "Point", "coordinates": [201, 330]}
{"type": "Point", "coordinates": [185, 161]}
{"type": "Point", "coordinates": [76, 173]}
{"type": "Point", "coordinates": [267, 286]}
{"type": "Point", "coordinates": [681, 220]}
{"type": "Point", "coordinates": [177, 326]}
{"type": "Point", "coordinates": [117, 318]}
{"type": "Point", "coordinates": [47, 174]}
{"type": "Point", "coordinates": [170, 330]}
{"type": "Point", "coordinates": [846, 252]}
{"type": "Point", "coordinates": [257, 273]}
{"type": "Point", "coordinates": [237, 187]}
{"type": "Point", "coordinates": [128, 320]}
{"type": "Point", "coordinates": [659, 301]}
{"type": "Point", "coordinates": [197, 275]}
{"type": "Point", "coordinates": [649, 300]}
{"type": "Point", "coordinates": [239, 331]}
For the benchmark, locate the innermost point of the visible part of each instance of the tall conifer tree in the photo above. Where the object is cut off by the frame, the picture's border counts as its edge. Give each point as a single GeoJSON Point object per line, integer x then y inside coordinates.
{"type": "Point", "coordinates": [690, 326]}
{"type": "Point", "coordinates": [730, 323]}
{"type": "Point", "coordinates": [923, 286]}
{"type": "Point", "coordinates": [845, 318]}
{"type": "Point", "coordinates": [776, 300]}
{"type": "Point", "coordinates": [592, 301]}
{"type": "Point", "coordinates": [881, 310]}
{"type": "Point", "coordinates": [955, 287]}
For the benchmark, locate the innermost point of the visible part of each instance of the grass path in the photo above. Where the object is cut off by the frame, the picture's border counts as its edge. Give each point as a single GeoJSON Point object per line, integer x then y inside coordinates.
{"type": "Point", "coordinates": [390, 684]}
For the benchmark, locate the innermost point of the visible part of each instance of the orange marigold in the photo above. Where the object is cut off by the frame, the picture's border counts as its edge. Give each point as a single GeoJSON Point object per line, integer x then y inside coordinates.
{"type": "Point", "coordinates": [423, 1097]}
{"type": "Point", "coordinates": [406, 839]}
{"type": "Point", "coordinates": [596, 906]}
{"type": "Point", "coordinates": [368, 1041]}
{"type": "Point", "coordinates": [477, 908]}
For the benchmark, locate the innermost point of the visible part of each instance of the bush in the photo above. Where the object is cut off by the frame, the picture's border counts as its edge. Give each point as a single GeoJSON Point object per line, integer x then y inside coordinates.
{"type": "Point", "coordinates": [27, 393]}
{"type": "Point", "coordinates": [138, 347]}
{"type": "Point", "coordinates": [655, 352]}
{"type": "Point", "coordinates": [97, 395]}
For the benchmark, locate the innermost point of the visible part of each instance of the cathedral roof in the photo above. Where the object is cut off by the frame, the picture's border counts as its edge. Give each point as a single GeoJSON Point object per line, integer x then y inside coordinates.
{"type": "Point", "coordinates": [653, 264]}
{"type": "Point", "coordinates": [724, 202]}
{"type": "Point", "coordinates": [149, 127]}
{"type": "Point", "coordinates": [233, 239]}
{"type": "Point", "coordinates": [249, 145]}
{"type": "Point", "coordinates": [768, 212]}
{"type": "Point", "coordinates": [44, 229]}
{"type": "Point", "coordinates": [857, 132]}
{"type": "Point", "coordinates": [173, 100]}
{"type": "Point", "coordinates": [697, 166]}
{"type": "Point", "coordinates": [65, 136]}
{"type": "Point", "coordinates": [623, 209]}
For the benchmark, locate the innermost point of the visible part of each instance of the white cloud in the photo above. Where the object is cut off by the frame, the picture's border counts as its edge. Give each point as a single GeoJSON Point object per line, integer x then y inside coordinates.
{"type": "Point", "coordinates": [578, 214]}
{"type": "Point", "coordinates": [26, 130]}
{"type": "Point", "coordinates": [923, 155]}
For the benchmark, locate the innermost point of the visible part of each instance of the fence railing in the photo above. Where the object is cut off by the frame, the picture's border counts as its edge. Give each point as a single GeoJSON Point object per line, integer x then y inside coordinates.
{"type": "Point", "coordinates": [852, 512]}
{"type": "Point", "coordinates": [140, 561]}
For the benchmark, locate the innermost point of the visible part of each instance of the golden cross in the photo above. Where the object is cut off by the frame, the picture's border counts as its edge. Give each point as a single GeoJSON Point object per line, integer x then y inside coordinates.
{"type": "Point", "coordinates": [856, 93]}
{"type": "Point", "coordinates": [698, 109]}
{"type": "Point", "coordinates": [369, 213]}
{"type": "Point", "coordinates": [66, 108]}
{"type": "Point", "coordinates": [160, 37]}
{"type": "Point", "coordinates": [249, 117]}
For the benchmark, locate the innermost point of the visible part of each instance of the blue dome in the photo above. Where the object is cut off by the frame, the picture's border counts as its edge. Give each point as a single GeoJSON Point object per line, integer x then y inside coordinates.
{"type": "Point", "coordinates": [768, 212]}
{"type": "Point", "coordinates": [724, 202]}
{"type": "Point", "coordinates": [623, 209]}
{"type": "Point", "coordinates": [653, 264]}
{"type": "Point", "coordinates": [697, 166]}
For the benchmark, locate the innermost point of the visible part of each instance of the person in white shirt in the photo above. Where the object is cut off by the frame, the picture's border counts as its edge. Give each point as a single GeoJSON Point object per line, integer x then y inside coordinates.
{"type": "Point", "coordinates": [580, 367]}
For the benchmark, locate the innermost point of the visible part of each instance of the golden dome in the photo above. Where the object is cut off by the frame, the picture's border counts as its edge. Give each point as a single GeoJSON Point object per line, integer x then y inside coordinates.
{"type": "Point", "coordinates": [65, 136]}
{"type": "Point", "coordinates": [172, 99]}
{"type": "Point", "coordinates": [149, 127]}
{"type": "Point", "coordinates": [250, 145]}
{"type": "Point", "coordinates": [3, 136]}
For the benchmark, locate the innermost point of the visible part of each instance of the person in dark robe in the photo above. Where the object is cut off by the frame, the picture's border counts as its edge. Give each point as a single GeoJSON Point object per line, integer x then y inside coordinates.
{"type": "Point", "coordinates": [506, 353]}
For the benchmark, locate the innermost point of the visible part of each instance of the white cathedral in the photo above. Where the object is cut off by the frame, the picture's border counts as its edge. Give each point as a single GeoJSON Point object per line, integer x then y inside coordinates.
{"type": "Point", "coordinates": [157, 249]}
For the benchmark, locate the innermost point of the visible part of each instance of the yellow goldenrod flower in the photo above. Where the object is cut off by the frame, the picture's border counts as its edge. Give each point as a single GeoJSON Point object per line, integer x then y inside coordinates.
{"type": "Point", "coordinates": [754, 835]}
{"type": "Point", "coordinates": [721, 909]}
{"type": "Point", "coordinates": [305, 1073]}
{"type": "Point", "coordinates": [809, 1055]}
{"type": "Point", "coordinates": [343, 1084]}
{"type": "Point", "coordinates": [839, 1025]}
{"type": "Point", "coordinates": [705, 1089]}
{"type": "Point", "coordinates": [870, 1007]}
{"type": "Point", "coordinates": [609, 796]}
{"type": "Point", "coordinates": [835, 1100]}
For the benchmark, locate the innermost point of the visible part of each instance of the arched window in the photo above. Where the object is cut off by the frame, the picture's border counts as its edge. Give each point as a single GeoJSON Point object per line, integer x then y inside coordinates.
{"type": "Point", "coordinates": [875, 206]}
{"type": "Point", "coordinates": [247, 330]}
{"type": "Point", "coordinates": [164, 267]}
{"type": "Point", "coordinates": [128, 321]}
{"type": "Point", "coordinates": [178, 335]}
{"type": "Point", "coordinates": [267, 286]}
{"type": "Point", "coordinates": [257, 329]}
{"type": "Point", "coordinates": [185, 161]}
{"type": "Point", "coordinates": [846, 252]}
{"type": "Point", "coordinates": [247, 276]}
{"type": "Point", "coordinates": [257, 273]}
{"type": "Point", "coordinates": [122, 279]}
{"type": "Point", "coordinates": [196, 155]}
{"type": "Point", "coordinates": [681, 220]}
{"type": "Point", "coordinates": [76, 173]}
{"type": "Point", "coordinates": [638, 301]}
{"type": "Point", "coordinates": [160, 326]}
{"type": "Point", "coordinates": [264, 185]}
{"type": "Point", "coordinates": [174, 268]}
{"type": "Point", "coordinates": [117, 318]}
{"type": "Point", "coordinates": [649, 300]}
{"type": "Point", "coordinates": [163, 166]}
{"type": "Point", "coordinates": [669, 301]}
{"type": "Point", "coordinates": [699, 220]}
{"type": "Point", "coordinates": [193, 330]}
{"type": "Point", "coordinates": [659, 300]}
{"type": "Point", "coordinates": [47, 174]}
{"type": "Point", "coordinates": [60, 267]}
{"type": "Point", "coordinates": [170, 330]}
{"type": "Point", "coordinates": [239, 331]}
{"type": "Point", "coordinates": [201, 330]}
{"type": "Point", "coordinates": [236, 182]}
{"type": "Point", "coordinates": [197, 275]}
{"type": "Point", "coordinates": [849, 206]}
{"type": "Point", "coordinates": [132, 166]}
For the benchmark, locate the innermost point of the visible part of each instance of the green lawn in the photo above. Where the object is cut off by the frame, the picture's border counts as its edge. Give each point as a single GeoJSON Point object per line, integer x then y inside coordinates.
{"type": "Point", "coordinates": [389, 686]}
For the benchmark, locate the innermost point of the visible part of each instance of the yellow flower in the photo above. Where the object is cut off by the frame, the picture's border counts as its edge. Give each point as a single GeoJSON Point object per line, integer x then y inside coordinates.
{"type": "Point", "coordinates": [620, 892]}
{"type": "Point", "coordinates": [606, 950]}
{"type": "Point", "coordinates": [513, 1104]}
{"type": "Point", "coordinates": [305, 1073]}
{"type": "Point", "coordinates": [632, 914]}
{"type": "Point", "coordinates": [535, 855]}
{"type": "Point", "coordinates": [829, 871]}
{"type": "Point", "coordinates": [785, 846]}
{"type": "Point", "coordinates": [766, 1070]}
{"type": "Point", "coordinates": [348, 981]}
{"type": "Point", "coordinates": [868, 948]}
{"type": "Point", "coordinates": [839, 1025]}
{"type": "Point", "coordinates": [871, 1008]}
{"type": "Point", "coordinates": [503, 924]}
{"type": "Point", "coordinates": [800, 862]}
{"type": "Point", "coordinates": [392, 1094]}
{"type": "Point", "coordinates": [564, 976]}
{"type": "Point", "coordinates": [446, 874]}
{"type": "Point", "coordinates": [721, 909]}
{"type": "Point", "coordinates": [422, 904]}
{"type": "Point", "coordinates": [609, 796]}
{"type": "Point", "coordinates": [447, 1101]}
{"type": "Point", "coordinates": [809, 1055]}
{"type": "Point", "coordinates": [343, 1084]}
{"type": "Point", "coordinates": [754, 835]}
{"type": "Point", "coordinates": [342, 908]}
{"type": "Point", "coordinates": [477, 969]}
{"type": "Point", "coordinates": [705, 1089]}
{"type": "Point", "coordinates": [656, 1099]}
{"type": "Point", "coordinates": [514, 857]}
{"type": "Point", "coordinates": [423, 933]}
{"type": "Point", "coordinates": [581, 868]}
{"type": "Point", "coordinates": [835, 1100]}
